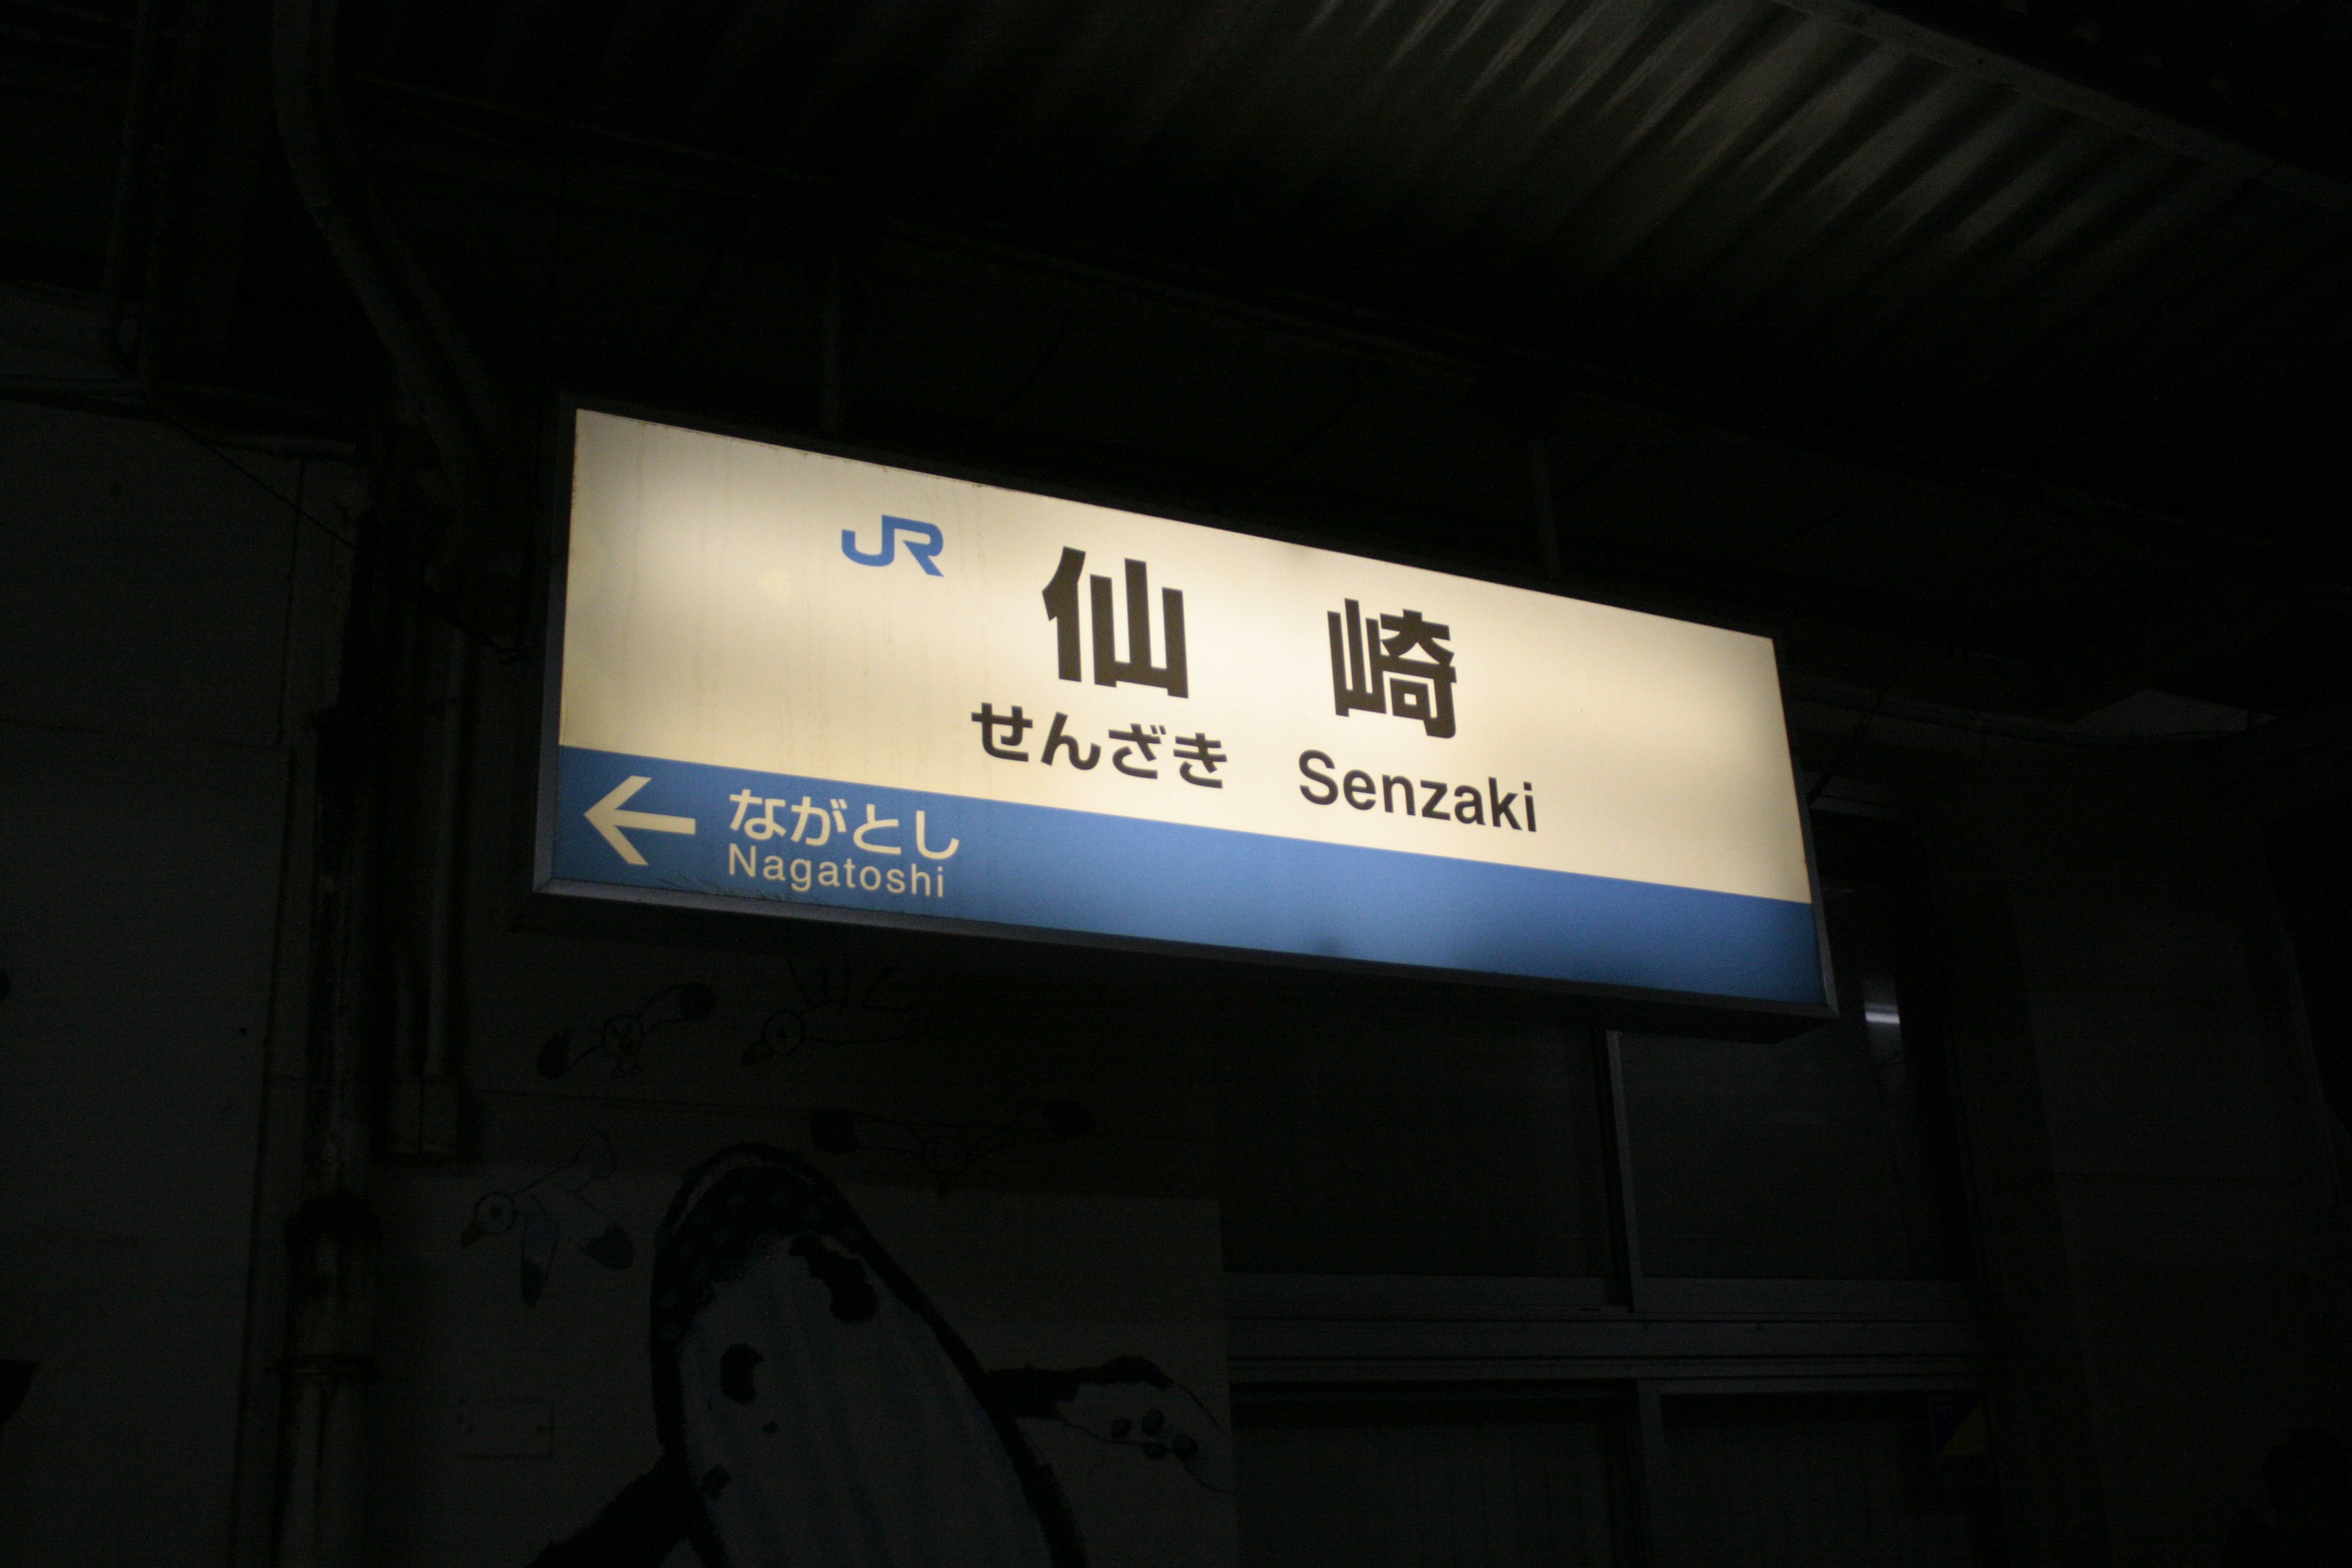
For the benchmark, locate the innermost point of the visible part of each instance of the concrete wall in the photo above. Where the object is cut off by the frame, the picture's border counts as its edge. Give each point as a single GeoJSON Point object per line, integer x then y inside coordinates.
{"type": "Point", "coordinates": [153, 682]}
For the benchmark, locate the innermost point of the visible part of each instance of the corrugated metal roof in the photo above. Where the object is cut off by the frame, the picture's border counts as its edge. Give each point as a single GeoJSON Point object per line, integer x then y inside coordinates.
{"type": "Point", "coordinates": [1336, 263]}
{"type": "Point", "coordinates": [1733, 197]}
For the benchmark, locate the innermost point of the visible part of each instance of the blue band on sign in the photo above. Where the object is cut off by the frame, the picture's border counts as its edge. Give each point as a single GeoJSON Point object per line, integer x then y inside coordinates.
{"type": "Point", "coordinates": [734, 833]}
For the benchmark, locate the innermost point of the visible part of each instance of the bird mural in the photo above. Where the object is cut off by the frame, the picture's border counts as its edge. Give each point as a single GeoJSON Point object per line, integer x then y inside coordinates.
{"type": "Point", "coordinates": [814, 1405]}
{"type": "Point", "coordinates": [621, 1039]}
{"type": "Point", "coordinates": [831, 1003]}
{"type": "Point", "coordinates": [551, 1210]}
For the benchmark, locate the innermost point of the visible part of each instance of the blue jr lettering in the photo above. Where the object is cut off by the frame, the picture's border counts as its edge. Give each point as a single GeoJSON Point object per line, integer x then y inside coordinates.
{"type": "Point", "coordinates": [924, 541]}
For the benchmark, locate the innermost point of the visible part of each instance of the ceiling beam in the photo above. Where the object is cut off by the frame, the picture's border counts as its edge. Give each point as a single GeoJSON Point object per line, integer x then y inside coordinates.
{"type": "Point", "coordinates": [2007, 60]}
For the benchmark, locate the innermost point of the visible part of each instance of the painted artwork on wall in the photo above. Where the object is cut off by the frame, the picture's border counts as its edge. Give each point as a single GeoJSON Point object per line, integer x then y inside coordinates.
{"type": "Point", "coordinates": [550, 1209]}
{"type": "Point", "coordinates": [814, 1406]}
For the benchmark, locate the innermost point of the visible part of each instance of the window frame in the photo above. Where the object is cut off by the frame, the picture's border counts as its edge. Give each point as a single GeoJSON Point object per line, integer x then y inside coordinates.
{"type": "Point", "coordinates": [1630, 1338]}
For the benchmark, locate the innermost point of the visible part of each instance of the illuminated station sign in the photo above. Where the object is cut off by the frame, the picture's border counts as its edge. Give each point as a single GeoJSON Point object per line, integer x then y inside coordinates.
{"type": "Point", "coordinates": [786, 681]}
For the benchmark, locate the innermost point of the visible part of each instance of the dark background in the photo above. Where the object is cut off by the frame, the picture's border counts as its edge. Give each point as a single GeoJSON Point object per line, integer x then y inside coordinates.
{"type": "Point", "coordinates": [1989, 357]}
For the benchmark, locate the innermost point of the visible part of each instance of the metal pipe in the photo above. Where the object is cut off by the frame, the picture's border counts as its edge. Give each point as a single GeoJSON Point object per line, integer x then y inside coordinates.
{"type": "Point", "coordinates": [409, 986]}
{"type": "Point", "coordinates": [437, 1120]}
{"type": "Point", "coordinates": [122, 235]}
{"type": "Point", "coordinates": [435, 362]}
{"type": "Point", "coordinates": [332, 1237]}
{"type": "Point", "coordinates": [148, 339]}
{"type": "Point", "coordinates": [332, 1241]}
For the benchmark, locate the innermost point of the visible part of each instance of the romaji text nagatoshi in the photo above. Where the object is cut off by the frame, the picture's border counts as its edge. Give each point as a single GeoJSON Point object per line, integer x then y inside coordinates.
{"type": "Point", "coordinates": [813, 825]}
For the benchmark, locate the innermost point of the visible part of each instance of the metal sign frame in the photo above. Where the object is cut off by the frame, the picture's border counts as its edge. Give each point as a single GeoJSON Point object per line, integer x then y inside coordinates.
{"type": "Point", "coordinates": [561, 903]}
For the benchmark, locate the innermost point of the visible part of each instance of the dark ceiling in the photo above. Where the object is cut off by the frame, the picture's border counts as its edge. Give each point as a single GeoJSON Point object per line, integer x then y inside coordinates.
{"type": "Point", "coordinates": [1730, 198]}
{"type": "Point", "coordinates": [1990, 355]}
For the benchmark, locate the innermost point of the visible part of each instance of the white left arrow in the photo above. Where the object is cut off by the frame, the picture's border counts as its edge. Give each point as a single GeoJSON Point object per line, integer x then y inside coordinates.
{"type": "Point", "coordinates": [607, 818]}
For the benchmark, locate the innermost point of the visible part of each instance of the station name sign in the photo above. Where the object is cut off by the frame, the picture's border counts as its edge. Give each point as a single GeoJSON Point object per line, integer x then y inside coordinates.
{"type": "Point", "coordinates": [789, 681]}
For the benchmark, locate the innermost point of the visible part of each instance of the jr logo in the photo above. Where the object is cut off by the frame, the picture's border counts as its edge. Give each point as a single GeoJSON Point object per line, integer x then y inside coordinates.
{"type": "Point", "coordinates": [923, 543]}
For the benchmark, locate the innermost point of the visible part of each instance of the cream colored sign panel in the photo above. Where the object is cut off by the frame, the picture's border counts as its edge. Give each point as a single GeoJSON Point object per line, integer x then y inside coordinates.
{"type": "Point", "coordinates": [1022, 663]}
